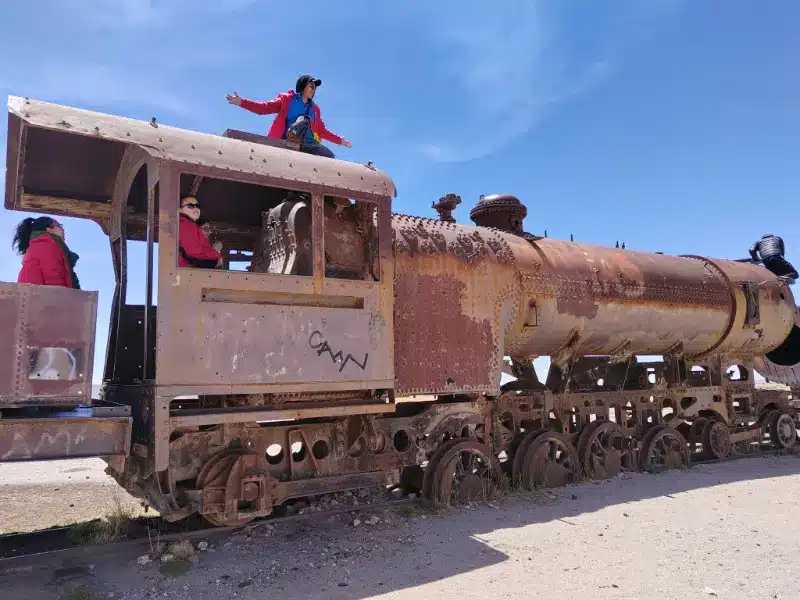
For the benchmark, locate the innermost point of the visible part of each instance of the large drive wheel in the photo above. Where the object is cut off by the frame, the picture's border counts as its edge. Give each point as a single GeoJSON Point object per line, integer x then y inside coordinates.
{"type": "Point", "coordinates": [663, 448]}
{"type": "Point", "coordinates": [550, 461]}
{"type": "Point", "coordinates": [466, 471]}
{"type": "Point", "coordinates": [782, 430]}
{"type": "Point", "coordinates": [603, 453]}
{"type": "Point", "coordinates": [429, 475]}
{"type": "Point", "coordinates": [231, 479]}
{"type": "Point", "coordinates": [518, 463]}
{"type": "Point", "coordinates": [716, 439]}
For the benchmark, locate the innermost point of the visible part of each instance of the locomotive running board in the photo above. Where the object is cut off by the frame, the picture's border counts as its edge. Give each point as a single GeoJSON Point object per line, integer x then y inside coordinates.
{"type": "Point", "coordinates": [196, 418]}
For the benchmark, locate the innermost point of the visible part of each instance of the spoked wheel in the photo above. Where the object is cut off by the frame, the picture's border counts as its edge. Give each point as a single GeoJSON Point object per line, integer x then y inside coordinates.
{"type": "Point", "coordinates": [663, 448]}
{"type": "Point", "coordinates": [716, 439]}
{"type": "Point", "coordinates": [550, 461]}
{"type": "Point", "coordinates": [465, 472]}
{"type": "Point", "coordinates": [604, 454]}
{"type": "Point", "coordinates": [234, 485]}
{"type": "Point", "coordinates": [429, 475]}
{"type": "Point", "coordinates": [782, 430]}
{"type": "Point", "coordinates": [518, 464]}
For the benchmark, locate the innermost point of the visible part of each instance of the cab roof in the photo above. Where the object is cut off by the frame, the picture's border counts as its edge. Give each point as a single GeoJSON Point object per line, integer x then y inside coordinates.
{"type": "Point", "coordinates": [64, 160]}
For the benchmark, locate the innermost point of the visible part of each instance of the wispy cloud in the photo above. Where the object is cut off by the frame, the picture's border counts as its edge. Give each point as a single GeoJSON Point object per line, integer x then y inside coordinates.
{"type": "Point", "coordinates": [513, 64]}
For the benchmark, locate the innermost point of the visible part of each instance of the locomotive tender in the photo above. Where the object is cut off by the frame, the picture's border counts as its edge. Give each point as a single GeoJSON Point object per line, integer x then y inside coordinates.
{"type": "Point", "coordinates": [344, 346]}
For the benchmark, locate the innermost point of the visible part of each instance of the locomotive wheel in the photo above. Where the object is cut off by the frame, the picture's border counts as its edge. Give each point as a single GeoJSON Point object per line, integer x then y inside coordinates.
{"type": "Point", "coordinates": [603, 454]}
{"type": "Point", "coordinates": [696, 435]}
{"type": "Point", "coordinates": [663, 448]}
{"type": "Point", "coordinates": [716, 439]}
{"type": "Point", "coordinates": [585, 434]}
{"type": "Point", "coordinates": [550, 461]}
{"type": "Point", "coordinates": [782, 430]}
{"type": "Point", "coordinates": [465, 472]}
{"type": "Point", "coordinates": [429, 474]}
{"type": "Point", "coordinates": [519, 454]}
{"type": "Point", "coordinates": [223, 474]}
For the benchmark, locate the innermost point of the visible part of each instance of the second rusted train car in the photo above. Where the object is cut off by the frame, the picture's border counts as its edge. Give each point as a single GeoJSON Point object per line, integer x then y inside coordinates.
{"type": "Point", "coordinates": [344, 346]}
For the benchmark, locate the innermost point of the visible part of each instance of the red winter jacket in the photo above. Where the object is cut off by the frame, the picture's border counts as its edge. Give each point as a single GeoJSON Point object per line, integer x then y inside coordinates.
{"type": "Point", "coordinates": [44, 263]}
{"type": "Point", "coordinates": [194, 244]}
{"type": "Point", "coordinates": [280, 105]}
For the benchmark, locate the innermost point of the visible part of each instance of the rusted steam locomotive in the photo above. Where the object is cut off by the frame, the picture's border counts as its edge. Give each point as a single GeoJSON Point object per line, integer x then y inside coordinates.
{"type": "Point", "coordinates": [345, 346]}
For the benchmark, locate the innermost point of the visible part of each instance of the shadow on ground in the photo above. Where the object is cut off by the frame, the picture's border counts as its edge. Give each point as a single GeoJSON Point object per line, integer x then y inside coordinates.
{"type": "Point", "coordinates": [333, 559]}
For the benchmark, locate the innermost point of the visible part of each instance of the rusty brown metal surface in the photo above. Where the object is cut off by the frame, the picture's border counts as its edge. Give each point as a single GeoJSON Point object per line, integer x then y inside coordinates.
{"type": "Point", "coordinates": [456, 293]}
{"type": "Point", "coordinates": [783, 365]}
{"type": "Point", "coordinates": [597, 300]}
{"type": "Point", "coordinates": [60, 438]}
{"type": "Point", "coordinates": [49, 358]}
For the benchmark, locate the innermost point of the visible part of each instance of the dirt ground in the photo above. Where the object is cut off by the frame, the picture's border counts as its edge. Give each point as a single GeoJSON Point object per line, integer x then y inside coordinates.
{"type": "Point", "coordinates": [38, 495]}
{"type": "Point", "coordinates": [717, 531]}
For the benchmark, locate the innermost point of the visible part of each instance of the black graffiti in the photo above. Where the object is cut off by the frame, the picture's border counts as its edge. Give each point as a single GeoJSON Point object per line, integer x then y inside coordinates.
{"type": "Point", "coordinates": [318, 342]}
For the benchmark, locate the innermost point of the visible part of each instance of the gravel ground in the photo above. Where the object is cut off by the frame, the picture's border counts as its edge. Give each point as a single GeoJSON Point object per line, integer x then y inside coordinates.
{"type": "Point", "coordinates": [717, 531]}
{"type": "Point", "coordinates": [38, 495]}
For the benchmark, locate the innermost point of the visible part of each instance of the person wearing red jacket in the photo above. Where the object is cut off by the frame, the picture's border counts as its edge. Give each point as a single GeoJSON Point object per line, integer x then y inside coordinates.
{"type": "Point", "coordinates": [46, 259]}
{"type": "Point", "coordinates": [194, 248]}
{"type": "Point", "coordinates": [298, 117]}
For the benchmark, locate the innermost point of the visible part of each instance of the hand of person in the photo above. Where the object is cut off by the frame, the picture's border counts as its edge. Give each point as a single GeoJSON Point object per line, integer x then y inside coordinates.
{"type": "Point", "coordinates": [346, 143]}
{"type": "Point", "coordinates": [217, 246]}
{"type": "Point", "coordinates": [219, 263]}
{"type": "Point", "coordinates": [234, 98]}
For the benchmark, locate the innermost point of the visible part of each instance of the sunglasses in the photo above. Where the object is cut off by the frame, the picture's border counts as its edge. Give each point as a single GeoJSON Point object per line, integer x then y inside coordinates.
{"type": "Point", "coordinates": [191, 205]}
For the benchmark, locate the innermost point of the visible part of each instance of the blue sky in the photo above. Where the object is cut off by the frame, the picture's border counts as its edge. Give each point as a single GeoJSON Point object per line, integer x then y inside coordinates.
{"type": "Point", "coordinates": [669, 124]}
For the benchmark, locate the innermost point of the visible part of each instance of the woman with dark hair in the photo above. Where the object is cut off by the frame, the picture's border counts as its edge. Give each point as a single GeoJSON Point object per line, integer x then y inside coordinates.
{"type": "Point", "coordinates": [46, 260]}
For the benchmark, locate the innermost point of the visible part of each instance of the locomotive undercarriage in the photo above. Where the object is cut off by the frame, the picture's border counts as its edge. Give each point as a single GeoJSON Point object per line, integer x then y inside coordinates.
{"type": "Point", "coordinates": [593, 424]}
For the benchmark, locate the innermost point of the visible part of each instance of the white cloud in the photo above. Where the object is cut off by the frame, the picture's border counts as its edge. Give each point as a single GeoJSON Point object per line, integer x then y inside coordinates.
{"type": "Point", "coordinates": [514, 63]}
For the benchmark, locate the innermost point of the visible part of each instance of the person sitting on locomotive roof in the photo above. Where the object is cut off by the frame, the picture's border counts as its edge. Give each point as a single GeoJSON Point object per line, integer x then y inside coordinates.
{"type": "Point", "coordinates": [771, 249]}
{"type": "Point", "coordinates": [193, 245]}
{"type": "Point", "coordinates": [298, 117]}
{"type": "Point", "coordinates": [46, 259]}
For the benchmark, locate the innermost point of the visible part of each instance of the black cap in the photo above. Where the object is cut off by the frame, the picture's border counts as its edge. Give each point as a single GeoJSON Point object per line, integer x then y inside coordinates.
{"type": "Point", "coordinates": [304, 80]}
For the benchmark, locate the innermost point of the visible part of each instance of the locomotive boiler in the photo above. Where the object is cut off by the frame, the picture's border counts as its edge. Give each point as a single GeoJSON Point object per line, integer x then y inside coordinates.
{"type": "Point", "coordinates": [344, 346]}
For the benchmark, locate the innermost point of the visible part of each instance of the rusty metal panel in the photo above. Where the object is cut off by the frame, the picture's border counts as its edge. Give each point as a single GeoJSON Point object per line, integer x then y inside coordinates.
{"type": "Point", "coordinates": [51, 358]}
{"type": "Point", "coordinates": [456, 292]}
{"type": "Point", "coordinates": [774, 304]}
{"type": "Point", "coordinates": [59, 438]}
{"type": "Point", "coordinates": [233, 343]}
{"type": "Point", "coordinates": [597, 300]}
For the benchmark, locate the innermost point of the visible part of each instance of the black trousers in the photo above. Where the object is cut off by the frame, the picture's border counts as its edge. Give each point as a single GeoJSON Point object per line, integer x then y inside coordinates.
{"type": "Point", "coordinates": [780, 267]}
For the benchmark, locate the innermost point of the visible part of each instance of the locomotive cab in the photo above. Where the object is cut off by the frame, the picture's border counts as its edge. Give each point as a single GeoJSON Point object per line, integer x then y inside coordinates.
{"type": "Point", "coordinates": [298, 322]}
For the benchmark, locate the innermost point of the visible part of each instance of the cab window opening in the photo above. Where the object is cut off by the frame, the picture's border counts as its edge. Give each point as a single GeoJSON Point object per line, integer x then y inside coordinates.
{"type": "Point", "coordinates": [239, 226]}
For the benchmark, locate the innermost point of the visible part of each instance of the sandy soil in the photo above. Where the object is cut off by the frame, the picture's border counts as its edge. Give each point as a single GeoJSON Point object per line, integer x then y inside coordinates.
{"type": "Point", "coordinates": [717, 531]}
{"type": "Point", "coordinates": [38, 495]}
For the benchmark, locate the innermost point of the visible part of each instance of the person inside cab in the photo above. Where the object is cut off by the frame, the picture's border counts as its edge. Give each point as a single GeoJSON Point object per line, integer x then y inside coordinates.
{"type": "Point", "coordinates": [194, 248]}
{"type": "Point", "coordinates": [769, 250]}
{"type": "Point", "coordinates": [46, 259]}
{"type": "Point", "coordinates": [298, 117]}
